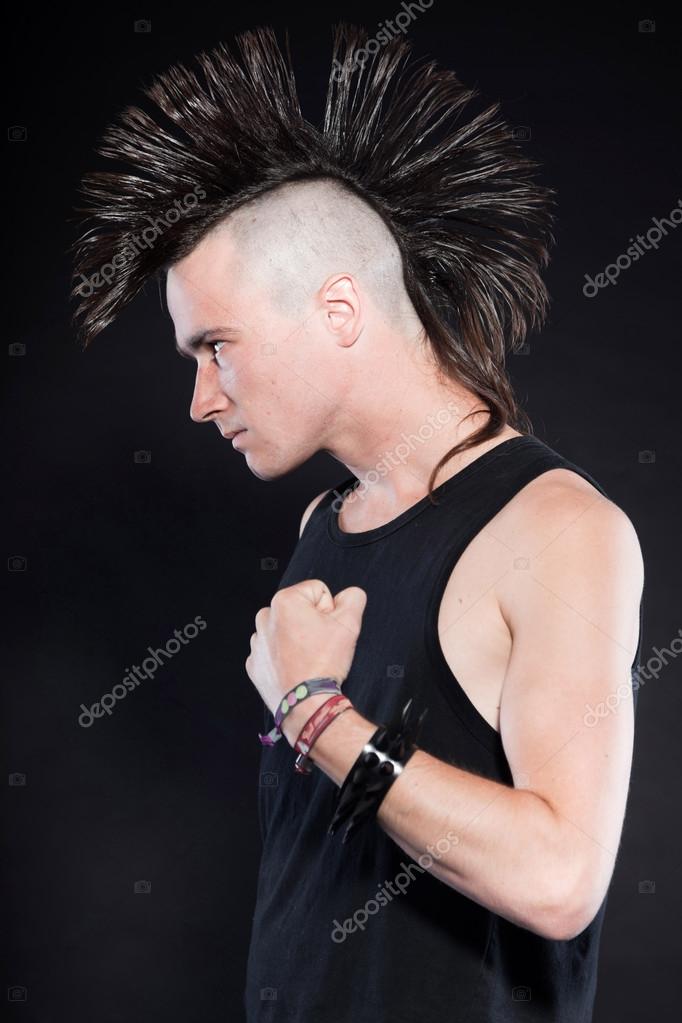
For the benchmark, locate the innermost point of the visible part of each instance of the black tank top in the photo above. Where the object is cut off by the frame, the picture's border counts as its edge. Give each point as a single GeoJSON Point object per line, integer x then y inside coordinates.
{"type": "Point", "coordinates": [428, 954]}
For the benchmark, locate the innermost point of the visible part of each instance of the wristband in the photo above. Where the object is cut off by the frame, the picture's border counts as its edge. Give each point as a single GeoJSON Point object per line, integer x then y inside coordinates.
{"type": "Point", "coordinates": [314, 727]}
{"type": "Point", "coordinates": [300, 692]}
{"type": "Point", "coordinates": [380, 762]}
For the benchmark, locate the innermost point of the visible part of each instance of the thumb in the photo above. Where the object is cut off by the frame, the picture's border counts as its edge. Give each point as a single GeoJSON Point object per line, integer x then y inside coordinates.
{"type": "Point", "coordinates": [317, 592]}
{"type": "Point", "coordinates": [349, 605]}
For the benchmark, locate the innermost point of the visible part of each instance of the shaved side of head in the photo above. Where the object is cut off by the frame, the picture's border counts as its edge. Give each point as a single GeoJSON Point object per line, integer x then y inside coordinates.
{"type": "Point", "coordinates": [294, 237]}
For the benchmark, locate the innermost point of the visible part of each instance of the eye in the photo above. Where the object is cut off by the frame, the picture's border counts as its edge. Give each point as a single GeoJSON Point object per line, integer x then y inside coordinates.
{"type": "Point", "coordinates": [217, 345]}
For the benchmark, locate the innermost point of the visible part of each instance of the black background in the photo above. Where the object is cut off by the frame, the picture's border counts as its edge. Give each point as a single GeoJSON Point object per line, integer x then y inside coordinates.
{"type": "Point", "coordinates": [119, 554]}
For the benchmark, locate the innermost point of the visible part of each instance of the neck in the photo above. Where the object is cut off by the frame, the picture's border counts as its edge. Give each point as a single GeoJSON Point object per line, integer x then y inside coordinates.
{"type": "Point", "coordinates": [399, 424]}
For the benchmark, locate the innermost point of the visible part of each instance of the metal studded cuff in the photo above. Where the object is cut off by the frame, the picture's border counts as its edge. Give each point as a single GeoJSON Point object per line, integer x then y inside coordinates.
{"type": "Point", "coordinates": [382, 759]}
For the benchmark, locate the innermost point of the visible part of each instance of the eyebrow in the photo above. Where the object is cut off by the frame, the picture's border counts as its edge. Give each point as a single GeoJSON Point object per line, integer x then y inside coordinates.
{"type": "Point", "coordinates": [201, 337]}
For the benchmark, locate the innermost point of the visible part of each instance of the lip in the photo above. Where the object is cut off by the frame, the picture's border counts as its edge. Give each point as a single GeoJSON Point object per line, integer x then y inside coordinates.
{"type": "Point", "coordinates": [236, 436]}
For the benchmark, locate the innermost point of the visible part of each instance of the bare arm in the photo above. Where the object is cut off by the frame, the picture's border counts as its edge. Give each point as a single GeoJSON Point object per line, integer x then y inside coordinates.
{"type": "Point", "coordinates": [540, 854]}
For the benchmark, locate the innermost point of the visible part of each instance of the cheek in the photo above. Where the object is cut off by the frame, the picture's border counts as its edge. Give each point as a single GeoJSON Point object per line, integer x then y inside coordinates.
{"type": "Point", "coordinates": [262, 394]}
{"type": "Point", "coordinates": [240, 378]}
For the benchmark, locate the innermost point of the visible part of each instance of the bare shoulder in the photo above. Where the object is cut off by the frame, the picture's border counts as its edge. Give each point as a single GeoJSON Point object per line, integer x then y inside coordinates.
{"type": "Point", "coordinates": [560, 520]}
{"type": "Point", "coordinates": [309, 511]}
{"type": "Point", "coordinates": [560, 498]}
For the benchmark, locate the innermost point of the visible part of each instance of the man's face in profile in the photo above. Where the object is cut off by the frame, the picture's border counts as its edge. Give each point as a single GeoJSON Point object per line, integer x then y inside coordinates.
{"type": "Point", "coordinates": [258, 370]}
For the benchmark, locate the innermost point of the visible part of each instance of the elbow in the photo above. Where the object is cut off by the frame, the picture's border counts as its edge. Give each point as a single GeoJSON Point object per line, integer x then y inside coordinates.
{"type": "Point", "coordinates": [568, 924]}
{"type": "Point", "coordinates": [569, 911]}
{"type": "Point", "coordinates": [574, 890]}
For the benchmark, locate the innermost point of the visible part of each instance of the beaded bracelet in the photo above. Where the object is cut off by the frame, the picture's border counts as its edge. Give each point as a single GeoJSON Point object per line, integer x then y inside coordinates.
{"type": "Point", "coordinates": [314, 727]}
{"type": "Point", "coordinates": [301, 691]}
{"type": "Point", "coordinates": [380, 762]}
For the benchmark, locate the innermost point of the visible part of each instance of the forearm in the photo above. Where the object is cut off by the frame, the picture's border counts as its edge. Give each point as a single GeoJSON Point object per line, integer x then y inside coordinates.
{"type": "Point", "coordinates": [498, 845]}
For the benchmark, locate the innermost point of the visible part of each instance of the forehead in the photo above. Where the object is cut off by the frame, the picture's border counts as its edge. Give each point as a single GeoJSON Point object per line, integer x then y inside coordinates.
{"type": "Point", "coordinates": [217, 283]}
{"type": "Point", "coordinates": [202, 283]}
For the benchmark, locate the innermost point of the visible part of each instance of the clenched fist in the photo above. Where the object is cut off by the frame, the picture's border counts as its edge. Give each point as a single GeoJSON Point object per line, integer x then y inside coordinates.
{"type": "Point", "coordinates": [305, 633]}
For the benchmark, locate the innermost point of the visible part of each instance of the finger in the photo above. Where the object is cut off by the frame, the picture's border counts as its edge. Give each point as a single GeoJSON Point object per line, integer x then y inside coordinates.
{"type": "Point", "coordinates": [262, 617]}
{"type": "Point", "coordinates": [350, 605]}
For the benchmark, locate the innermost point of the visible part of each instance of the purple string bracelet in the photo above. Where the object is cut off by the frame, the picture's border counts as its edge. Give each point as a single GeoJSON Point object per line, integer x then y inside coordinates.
{"type": "Point", "coordinates": [301, 691]}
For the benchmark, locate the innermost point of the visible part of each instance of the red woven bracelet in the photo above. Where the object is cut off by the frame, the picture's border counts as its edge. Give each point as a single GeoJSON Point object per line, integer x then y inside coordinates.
{"type": "Point", "coordinates": [313, 728]}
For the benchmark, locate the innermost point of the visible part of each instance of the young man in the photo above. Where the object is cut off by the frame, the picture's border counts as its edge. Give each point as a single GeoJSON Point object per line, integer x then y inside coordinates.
{"type": "Point", "coordinates": [355, 290]}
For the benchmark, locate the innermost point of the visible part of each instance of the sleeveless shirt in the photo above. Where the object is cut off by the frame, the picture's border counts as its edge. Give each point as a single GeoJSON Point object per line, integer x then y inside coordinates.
{"type": "Point", "coordinates": [418, 951]}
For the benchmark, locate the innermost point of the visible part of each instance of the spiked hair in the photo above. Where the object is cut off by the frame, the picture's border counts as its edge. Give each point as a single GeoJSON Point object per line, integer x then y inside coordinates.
{"type": "Point", "coordinates": [458, 195]}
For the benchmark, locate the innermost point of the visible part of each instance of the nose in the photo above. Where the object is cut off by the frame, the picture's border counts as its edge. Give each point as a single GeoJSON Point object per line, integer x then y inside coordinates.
{"type": "Point", "coordinates": [208, 399]}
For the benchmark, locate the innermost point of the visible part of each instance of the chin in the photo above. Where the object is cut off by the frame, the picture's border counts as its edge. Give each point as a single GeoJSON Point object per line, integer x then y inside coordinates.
{"type": "Point", "coordinates": [263, 471]}
{"type": "Point", "coordinates": [269, 472]}
{"type": "Point", "coordinates": [266, 477]}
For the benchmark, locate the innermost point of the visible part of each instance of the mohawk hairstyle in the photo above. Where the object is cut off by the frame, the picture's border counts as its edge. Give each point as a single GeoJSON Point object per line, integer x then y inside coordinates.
{"type": "Point", "coordinates": [472, 226]}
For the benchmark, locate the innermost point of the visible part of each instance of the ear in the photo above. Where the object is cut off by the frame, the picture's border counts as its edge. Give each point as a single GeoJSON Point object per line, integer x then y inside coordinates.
{"type": "Point", "coordinates": [342, 308]}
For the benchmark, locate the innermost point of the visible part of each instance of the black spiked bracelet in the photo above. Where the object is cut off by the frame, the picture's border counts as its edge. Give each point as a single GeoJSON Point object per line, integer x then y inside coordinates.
{"type": "Point", "coordinates": [382, 759]}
